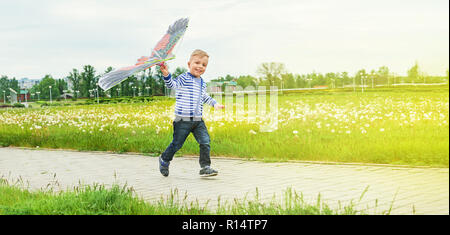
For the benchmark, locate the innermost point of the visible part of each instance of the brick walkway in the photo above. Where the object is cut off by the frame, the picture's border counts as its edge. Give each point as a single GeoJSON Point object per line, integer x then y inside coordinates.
{"type": "Point", "coordinates": [412, 190]}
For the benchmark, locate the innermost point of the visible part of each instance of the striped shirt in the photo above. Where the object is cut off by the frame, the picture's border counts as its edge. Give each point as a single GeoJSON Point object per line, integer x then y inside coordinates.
{"type": "Point", "coordinates": [190, 94]}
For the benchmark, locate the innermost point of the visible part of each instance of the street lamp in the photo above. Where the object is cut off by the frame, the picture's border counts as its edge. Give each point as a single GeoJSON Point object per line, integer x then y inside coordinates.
{"type": "Point", "coordinates": [38, 92]}
{"type": "Point", "coordinates": [134, 88]}
{"type": "Point", "coordinates": [148, 92]}
{"type": "Point", "coordinates": [50, 87]}
{"type": "Point", "coordinates": [4, 97]}
{"type": "Point", "coordinates": [362, 83]}
{"type": "Point", "coordinates": [96, 89]}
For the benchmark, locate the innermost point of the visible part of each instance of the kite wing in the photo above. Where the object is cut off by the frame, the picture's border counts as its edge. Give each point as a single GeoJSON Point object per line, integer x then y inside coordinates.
{"type": "Point", "coordinates": [160, 53]}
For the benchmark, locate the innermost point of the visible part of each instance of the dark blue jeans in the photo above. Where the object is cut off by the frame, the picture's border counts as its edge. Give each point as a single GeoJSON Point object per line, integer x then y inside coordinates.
{"type": "Point", "coordinates": [181, 130]}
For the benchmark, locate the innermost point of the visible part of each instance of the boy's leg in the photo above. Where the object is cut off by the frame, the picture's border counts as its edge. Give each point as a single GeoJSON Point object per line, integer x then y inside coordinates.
{"type": "Point", "coordinates": [181, 130]}
{"type": "Point", "coordinates": [201, 135]}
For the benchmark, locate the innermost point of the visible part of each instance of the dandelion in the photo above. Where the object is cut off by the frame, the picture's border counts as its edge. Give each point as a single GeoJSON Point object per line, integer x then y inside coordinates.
{"type": "Point", "coordinates": [295, 132]}
{"type": "Point", "coordinates": [382, 129]}
{"type": "Point", "coordinates": [348, 132]}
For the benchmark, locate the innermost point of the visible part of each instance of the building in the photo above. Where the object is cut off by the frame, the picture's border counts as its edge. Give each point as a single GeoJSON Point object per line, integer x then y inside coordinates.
{"type": "Point", "coordinates": [24, 95]}
{"type": "Point", "coordinates": [26, 83]}
{"type": "Point", "coordinates": [219, 86]}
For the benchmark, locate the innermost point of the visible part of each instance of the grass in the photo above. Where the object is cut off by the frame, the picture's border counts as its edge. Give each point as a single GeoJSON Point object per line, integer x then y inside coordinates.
{"type": "Point", "coordinates": [384, 127]}
{"type": "Point", "coordinates": [121, 200]}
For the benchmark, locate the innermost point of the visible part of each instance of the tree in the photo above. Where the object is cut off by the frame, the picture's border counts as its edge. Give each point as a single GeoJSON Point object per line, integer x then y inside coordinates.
{"type": "Point", "coordinates": [61, 85]}
{"type": "Point", "coordinates": [413, 72]}
{"type": "Point", "coordinates": [14, 84]}
{"type": "Point", "coordinates": [300, 81]}
{"type": "Point", "coordinates": [4, 87]}
{"type": "Point", "coordinates": [272, 72]}
{"type": "Point", "coordinates": [159, 82]}
{"type": "Point", "coordinates": [75, 79]}
{"type": "Point", "coordinates": [345, 78]}
{"type": "Point", "coordinates": [44, 87]}
{"type": "Point", "coordinates": [383, 75]}
{"type": "Point", "coordinates": [288, 80]}
{"type": "Point", "coordinates": [245, 81]}
{"type": "Point", "coordinates": [87, 80]}
{"type": "Point", "coordinates": [330, 79]}
{"type": "Point", "coordinates": [178, 71]}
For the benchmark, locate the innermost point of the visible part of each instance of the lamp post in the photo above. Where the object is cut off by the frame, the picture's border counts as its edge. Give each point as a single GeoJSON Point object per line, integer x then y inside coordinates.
{"type": "Point", "coordinates": [4, 97]}
{"type": "Point", "coordinates": [134, 88]}
{"type": "Point", "coordinates": [38, 92]}
{"type": "Point", "coordinates": [362, 83]}
{"type": "Point", "coordinates": [96, 90]}
{"type": "Point", "coordinates": [354, 85]}
{"type": "Point", "coordinates": [50, 87]}
{"type": "Point", "coordinates": [118, 91]}
{"type": "Point", "coordinates": [148, 92]}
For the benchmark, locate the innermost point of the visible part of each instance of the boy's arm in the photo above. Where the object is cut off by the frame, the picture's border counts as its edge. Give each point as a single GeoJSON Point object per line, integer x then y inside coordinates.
{"type": "Point", "coordinates": [171, 83]}
{"type": "Point", "coordinates": [174, 83]}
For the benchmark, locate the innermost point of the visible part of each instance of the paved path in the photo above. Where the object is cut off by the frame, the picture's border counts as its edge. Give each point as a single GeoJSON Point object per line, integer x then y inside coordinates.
{"type": "Point", "coordinates": [412, 190]}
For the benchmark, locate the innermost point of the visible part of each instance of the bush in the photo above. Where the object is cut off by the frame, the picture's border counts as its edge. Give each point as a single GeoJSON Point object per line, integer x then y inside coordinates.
{"type": "Point", "coordinates": [18, 105]}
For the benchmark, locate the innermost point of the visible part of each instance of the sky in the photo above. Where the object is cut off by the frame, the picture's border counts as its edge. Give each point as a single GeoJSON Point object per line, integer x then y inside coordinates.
{"type": "Point", "coordinates": [40, 37]}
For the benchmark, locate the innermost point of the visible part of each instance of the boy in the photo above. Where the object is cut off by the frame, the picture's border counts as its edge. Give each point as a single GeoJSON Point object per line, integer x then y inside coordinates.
{"type": "Point", "coordinates": [190, 97]}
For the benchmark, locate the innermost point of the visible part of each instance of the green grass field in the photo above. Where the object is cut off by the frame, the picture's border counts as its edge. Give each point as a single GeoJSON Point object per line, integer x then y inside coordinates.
{"type": "Point", "coordinates": [388, 127]}
{"type": "Point", "coordinates": [121, 200]}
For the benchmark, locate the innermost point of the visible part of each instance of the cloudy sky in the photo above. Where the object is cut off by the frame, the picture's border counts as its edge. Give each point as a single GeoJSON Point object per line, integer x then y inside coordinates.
{"type": "Point", "coordinates": [52, 37]}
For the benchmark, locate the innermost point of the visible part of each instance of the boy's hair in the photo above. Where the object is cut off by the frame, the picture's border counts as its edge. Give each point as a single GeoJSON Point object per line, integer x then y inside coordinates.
{"type": "Point", "coordinates": [200, 53]}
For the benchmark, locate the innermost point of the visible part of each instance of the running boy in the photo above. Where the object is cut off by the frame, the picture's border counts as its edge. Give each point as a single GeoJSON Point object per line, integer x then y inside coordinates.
{"type": "Point", "coordinates": [190, 97]}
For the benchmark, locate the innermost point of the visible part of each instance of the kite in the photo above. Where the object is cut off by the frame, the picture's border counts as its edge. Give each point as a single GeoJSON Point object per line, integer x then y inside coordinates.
{"type": "Point", "coordinates": [161, 53]}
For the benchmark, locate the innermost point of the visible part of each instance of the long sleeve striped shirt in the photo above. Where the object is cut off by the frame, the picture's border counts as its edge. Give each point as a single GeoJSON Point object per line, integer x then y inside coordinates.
{"type": "Point", "coordinates": [190, 93]}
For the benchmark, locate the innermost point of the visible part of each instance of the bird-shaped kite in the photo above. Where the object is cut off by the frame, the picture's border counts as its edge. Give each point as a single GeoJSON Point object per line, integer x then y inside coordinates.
{"type": "Point", "coordinates": [161, 53]}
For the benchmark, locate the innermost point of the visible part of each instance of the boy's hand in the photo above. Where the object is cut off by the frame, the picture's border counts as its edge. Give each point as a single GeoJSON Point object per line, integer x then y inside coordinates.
{"type": "Point", "coordinates": [219, 106]}
{"type": "Point", "coordinates": [164, 70]}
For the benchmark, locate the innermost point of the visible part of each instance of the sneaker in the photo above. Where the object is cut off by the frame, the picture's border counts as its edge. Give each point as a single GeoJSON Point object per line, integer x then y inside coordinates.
{"type": "Point", "coordinates": [163, 167]}
{"type": "Point", "coordinates": [208, 171]}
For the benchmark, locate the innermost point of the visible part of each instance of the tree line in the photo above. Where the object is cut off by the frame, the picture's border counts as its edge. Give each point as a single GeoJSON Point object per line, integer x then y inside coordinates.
{"type": "Point", "coordinates": [84, 82]}
{"type": "Point", "coordinates": [276, 74]}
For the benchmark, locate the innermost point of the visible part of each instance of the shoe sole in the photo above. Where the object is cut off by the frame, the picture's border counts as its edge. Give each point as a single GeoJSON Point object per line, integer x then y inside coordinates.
{"type": "Point", "coordinates": [209, 175]}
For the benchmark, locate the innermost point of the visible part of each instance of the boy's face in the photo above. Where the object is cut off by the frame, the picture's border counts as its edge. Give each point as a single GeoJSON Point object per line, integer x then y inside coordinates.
{"type": "Point", "coordinates": [197, 65]}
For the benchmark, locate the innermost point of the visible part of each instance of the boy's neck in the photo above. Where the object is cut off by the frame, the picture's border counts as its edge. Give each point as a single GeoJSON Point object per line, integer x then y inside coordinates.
{"type": "Point", "coordinates": [194, 76]}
